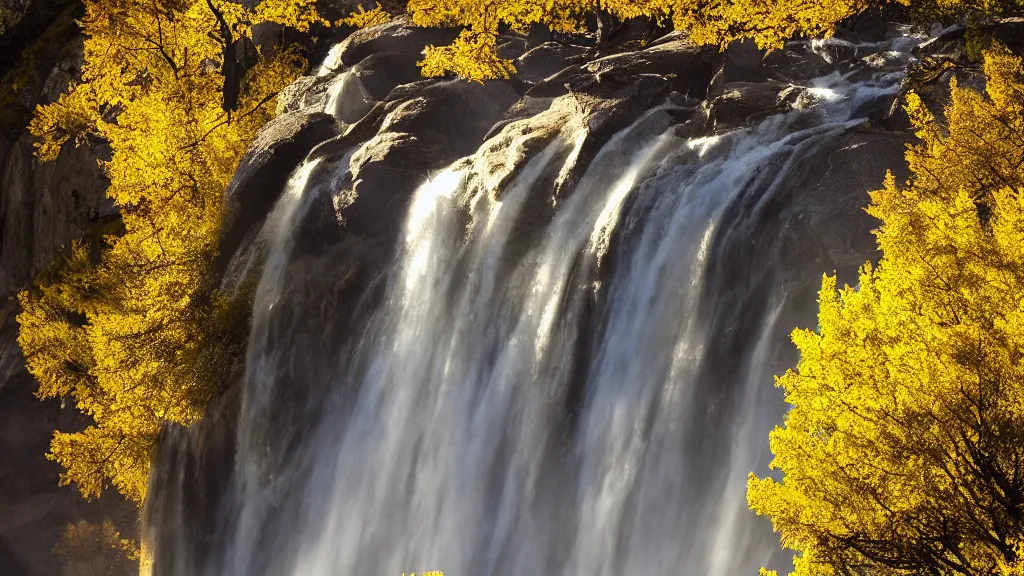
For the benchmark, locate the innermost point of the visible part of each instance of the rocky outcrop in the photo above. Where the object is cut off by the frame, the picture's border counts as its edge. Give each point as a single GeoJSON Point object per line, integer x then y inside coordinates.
{"type": "Point", "coordinates": [43, 206]}
{"type": "Point", "coordinates": [546, 60]}
{"type": "Point", "coordinates": [264, 170]}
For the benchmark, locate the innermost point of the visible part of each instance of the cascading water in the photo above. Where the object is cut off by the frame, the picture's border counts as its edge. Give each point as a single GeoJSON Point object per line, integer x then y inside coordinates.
{"type": "Point", "coordinates": [541, 385]}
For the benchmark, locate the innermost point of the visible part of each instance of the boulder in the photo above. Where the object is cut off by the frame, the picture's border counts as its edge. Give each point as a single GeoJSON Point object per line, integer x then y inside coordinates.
{"type": "Point", "coordinates": [742, 61]}
{"type": "Point", "coordinates": [546, 60]}
{"type": "Point", "coordinates": [415, 135]}
{"type": "Point", "coordinates": [745, 103]}
{"type": "Point", "coordinates": [832, 186]}
{"type": "Point", "coordinates": [1010, 31]}
{"type": "Point", "coordinates": [796, 62]}
{"type": "Point", "coordinates": [305, 92]}
{"type": "Point", "coordinates": [397, 44]}
{"type": "Point", "coordinates": [262, 173]}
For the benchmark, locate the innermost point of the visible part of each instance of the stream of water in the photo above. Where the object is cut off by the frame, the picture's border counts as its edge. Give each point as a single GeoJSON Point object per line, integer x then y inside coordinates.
{"type": "Point", "coordinates": [577, 391]}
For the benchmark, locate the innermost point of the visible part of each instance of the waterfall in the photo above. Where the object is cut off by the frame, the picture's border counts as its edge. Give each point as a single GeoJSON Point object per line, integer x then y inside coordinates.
{"type": "Point", "coordinates": [553, 377]}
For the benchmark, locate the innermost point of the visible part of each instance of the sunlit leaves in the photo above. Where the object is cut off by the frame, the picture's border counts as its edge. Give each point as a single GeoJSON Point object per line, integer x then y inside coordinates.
{"type": "Point", "coordinates": [131, 330]}
{"type": "Point", "coordinates": [362, 18]}
{"type": "Point", "coordinates": [904, 449]}
{"type": "Point", "coordinates": [471, 56]}
{"type": "Point", "coordinates": [72, 120]}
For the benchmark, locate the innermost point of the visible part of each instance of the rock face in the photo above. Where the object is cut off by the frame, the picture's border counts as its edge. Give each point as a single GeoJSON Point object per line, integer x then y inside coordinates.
{"type": "Point", "coordinates": [386, 131]}
{"type": "Point", "coordinates": [43, 206]}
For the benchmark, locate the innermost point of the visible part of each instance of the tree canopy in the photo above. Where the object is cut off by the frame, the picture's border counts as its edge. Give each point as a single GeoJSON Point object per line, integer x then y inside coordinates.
{"type": "Point", "coordinates": [903, 452]}
{"type": "Point", "coordinates": [130, 325]}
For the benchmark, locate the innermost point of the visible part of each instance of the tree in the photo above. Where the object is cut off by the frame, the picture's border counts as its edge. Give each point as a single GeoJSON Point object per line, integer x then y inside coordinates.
{"type": "Point", "coordinates": [769, 23]}
{"type": "Point", "coordinates": [131, 327]}
{"type": "Point", "coordinates": [96, 550]}
{"type": "Point", "coordinates": [903, 452]}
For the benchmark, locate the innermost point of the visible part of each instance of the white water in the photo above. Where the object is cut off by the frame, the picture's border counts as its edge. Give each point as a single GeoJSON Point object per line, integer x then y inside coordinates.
{"type": "Point", "coordinates": [539, 391]}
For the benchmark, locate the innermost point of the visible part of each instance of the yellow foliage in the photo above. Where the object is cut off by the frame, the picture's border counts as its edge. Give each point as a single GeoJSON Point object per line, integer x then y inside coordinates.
{"type": "Point", "coordinates": [136, 336]}
{"type": "Point", "coordinates": [91, 550]}
{"type": "Point", "coordinates": [903, 452]}
{"type": "Point", "coordinates": [1013, 567]}
{"type": "Point", "coordinates": [769, 23]}
{"type": "Point", "coordinates": [297, 14]}
{"type": "Point", "coordinates": [472, 56]}
{"type": "Point", "coordinates": [362, 18]}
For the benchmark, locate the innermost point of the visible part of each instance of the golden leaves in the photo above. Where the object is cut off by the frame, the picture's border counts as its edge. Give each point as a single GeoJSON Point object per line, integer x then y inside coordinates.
{"type": "Point", "coordinates": [471, 56]}
{"type": "Point", "coordinates": [362, 18]}
{"type": "Point", "coordinates": [916, 376]}
{"type": "Point", "coordinates": [70, 119]}
{"type": "Point", "coordinates": [89, 549]}
{"type": "Point", "coordinates": [296, 14]}
{"type": "Point", "coordinates": [131, 329]}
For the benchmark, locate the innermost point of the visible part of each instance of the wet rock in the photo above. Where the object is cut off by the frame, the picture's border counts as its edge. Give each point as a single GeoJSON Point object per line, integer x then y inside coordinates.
{"type": "Point", "coordinates": [831, 186]}
{"type": "Point", "coordinates": [949, 40]}
{"type": "Point", "coordinates": [1010, 31]}
{"type": "Point", "coordinates": [305, 92]}
{"type": "Point", "coordinates": [742, 61]}
{"type": "Point", "coordinates": [546, 60]}
{"type": "Point", "coordinates": [416, 135]}
{"type": "Point", "coordinates": [395, 47]}
{"type": "Point", "coordinates": [744, 103]}
{"type": "Point", "coordinates": [348, 99]}
{"type": "Point", "coordinates": [262, 173]}
{"type": "Point", "coordinates": [614, 90]}
{"type": "Point", "coordinates": [687, 68]}
{"type": "Point", "coordinates": [795, 63]}
{"type": "Point", "coordinates": [836, 51]}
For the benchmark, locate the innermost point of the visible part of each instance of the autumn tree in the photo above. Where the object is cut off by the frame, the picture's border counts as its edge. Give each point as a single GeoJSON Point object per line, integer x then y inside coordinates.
{"type": "Point", "coordinates": [769, 23]}
{"type": "Point", "coordinates": [131, 327]}
{"type": "Point", "coordinates": [903, 452]}
{"type": "Point", "coordinates": [88, 549]}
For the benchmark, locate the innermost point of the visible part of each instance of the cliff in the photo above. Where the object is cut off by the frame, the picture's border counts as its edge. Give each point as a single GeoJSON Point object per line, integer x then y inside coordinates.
{"type": "Point", "coordinates": [484, 201]}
